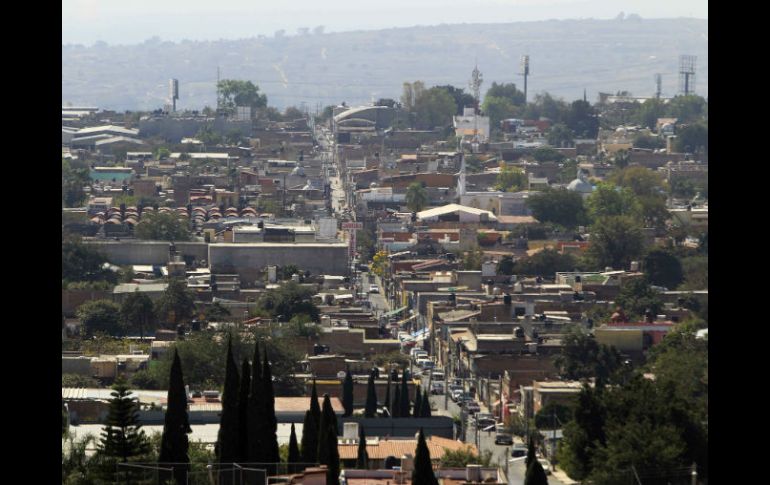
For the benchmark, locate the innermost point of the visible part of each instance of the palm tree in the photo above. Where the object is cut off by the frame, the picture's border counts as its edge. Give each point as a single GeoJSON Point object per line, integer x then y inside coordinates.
{"type": "Point", "coordinates": [416, 197]}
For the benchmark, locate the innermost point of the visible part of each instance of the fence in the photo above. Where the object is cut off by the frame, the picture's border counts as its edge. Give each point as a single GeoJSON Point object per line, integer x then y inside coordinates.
{"type": "Point", "coordinates": [204, 473]}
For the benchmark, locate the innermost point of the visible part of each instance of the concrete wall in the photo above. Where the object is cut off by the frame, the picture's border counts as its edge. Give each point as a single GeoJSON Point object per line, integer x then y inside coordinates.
{"type": "Point", "coordinates": [442, 426]}
{"type": "Point", "coordinates": [175, 129]}
{"type": "Point", "coordinates": [147, 252]}
{"type": "Point", "coordinates": [72, 299]}
{"type": "Point", "coordinates": [248, 260]}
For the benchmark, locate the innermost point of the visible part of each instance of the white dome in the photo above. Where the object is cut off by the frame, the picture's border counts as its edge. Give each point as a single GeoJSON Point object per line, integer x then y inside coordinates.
{"type": "Point", "coordinates": [581, 186]}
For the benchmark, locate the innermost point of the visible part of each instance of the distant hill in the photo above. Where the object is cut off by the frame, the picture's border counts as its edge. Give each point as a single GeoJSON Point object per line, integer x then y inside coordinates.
{"type": "Point", "coordinates": [566, 57]}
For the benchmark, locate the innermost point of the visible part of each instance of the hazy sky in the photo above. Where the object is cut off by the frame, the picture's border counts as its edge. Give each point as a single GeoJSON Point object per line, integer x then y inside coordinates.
{"type": "Point", "coordinates": [133, 21]}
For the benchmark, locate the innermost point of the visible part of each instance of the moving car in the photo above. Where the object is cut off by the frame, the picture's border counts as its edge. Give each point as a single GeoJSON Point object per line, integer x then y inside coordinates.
{"type": "Point", "coordinates": [519, 450]}
{"type": "Point", "coordinates": [437, 388]}
{"type": "Point", "coordinates": [502, 437]}
{"type": "Point", "coordinates": [374, 289]}
{"type": "Point", "coordinates": [546, 465]}
{"type": "Point", "coordinates": [472, 407]}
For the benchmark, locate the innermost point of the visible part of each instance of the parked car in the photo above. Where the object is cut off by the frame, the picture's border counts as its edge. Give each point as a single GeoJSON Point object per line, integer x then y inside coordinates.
{"type": "Point", "coordinates": [437, 388]}
{"type": "Point", "coordinates": [456, 395]}
{"type": "Point", "coordinates": [546, 465]}
{"type": "Point", "coordinates": [484, 420]}
{"type": "Point", "coordinates": [374, 289]}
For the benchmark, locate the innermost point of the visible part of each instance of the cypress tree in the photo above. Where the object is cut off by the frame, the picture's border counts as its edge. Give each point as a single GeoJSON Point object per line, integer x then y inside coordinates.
{"type": "Point", "coordinates": [294, 456]}
{"type": "Point", "coordinates": [396, 408]}
{"type": "Point", "coordinates": [362, 460]}
{"type": "Point", "coordinates": [404, 396]}
{"type": "Point", "coordinates": [315, 408]}
{"type": "Point", "coordinates": [309, 438]}
{"type": "Point", "coordinates": [255, 416]}
{"type": "Point", "coordinates": [423, 468]}
{"type": "Point", "coordinates": [535, 474]}
{"type": "Point", "coordinates": [243, 412]}
{"type": "Point", "coordinates": [530, 452]}
{"type": "Point", "coordinates": [228, 438]}
{"type": "Point", "coordinates": [328, 453]}
{"type": "Point", "coordinates": [174, 443]}
{"type": "Point", "coordinates": [123, 437]}
{"type": "Point", "coordinates": [425, 406]}
{"type": "Point", "coordinates": [347, 394]}
{"type": "Point", "coordinates": [270, 423]}
{"type": "Point", "coordinates": [417, 403]}
{"type": "Point", "coordinates": [371, 398]}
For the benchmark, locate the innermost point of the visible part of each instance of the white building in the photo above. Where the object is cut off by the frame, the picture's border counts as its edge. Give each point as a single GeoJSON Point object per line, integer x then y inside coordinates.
{"type": "Point", "coordinates": [470, 125]}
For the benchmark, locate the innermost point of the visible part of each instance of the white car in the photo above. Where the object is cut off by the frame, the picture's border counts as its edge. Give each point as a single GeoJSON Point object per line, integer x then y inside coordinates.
{"type": "Point", "coordinates": [374, 289]}
{"type": "Point", "coordinates": [546, 465]}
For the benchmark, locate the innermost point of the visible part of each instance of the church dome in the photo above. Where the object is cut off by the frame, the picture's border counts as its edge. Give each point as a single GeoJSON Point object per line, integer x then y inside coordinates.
{"type": "Point", "coordinates": [581, 186]}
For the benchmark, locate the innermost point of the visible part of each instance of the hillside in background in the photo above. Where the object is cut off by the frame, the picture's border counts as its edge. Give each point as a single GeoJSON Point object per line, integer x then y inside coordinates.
{"type": "Point", "coordinates": [566, 57]}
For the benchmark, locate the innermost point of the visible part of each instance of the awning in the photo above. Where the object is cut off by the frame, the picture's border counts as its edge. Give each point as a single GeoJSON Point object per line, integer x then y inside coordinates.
{"type": "Point", "coordinates": [395, 312]}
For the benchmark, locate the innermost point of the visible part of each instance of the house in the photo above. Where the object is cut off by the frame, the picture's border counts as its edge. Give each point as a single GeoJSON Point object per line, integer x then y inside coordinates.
{"type": "Point", "coordinates": [456, 213]}
{"type": "Point", "coordinates": [471, 126]}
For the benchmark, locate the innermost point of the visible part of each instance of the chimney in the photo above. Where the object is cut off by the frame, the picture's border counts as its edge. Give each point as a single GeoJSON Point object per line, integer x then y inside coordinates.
{"type": "Point", "coordinates": [473, 473]}
{"type": "Point", "coordinates": [407, 463]}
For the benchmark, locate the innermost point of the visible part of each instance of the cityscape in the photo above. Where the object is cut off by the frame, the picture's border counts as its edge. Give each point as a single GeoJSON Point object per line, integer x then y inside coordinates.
{"type": "Point", "coordinates": [467, 283]}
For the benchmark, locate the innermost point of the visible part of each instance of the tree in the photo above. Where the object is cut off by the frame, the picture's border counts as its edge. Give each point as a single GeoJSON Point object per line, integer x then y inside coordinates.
{"type": "Point", "coordinates": [434, 108]}
{"type": "Point", "coordinates": [310, 429]}
{"type": "Point", "coordinates": [294, 456]}
{"type": "Point", "coordinates": [387, 392]}
{"type": "Point", "coordinates": [347, 394]}
{"type": "Point", "coordinates": [582, 119]}
{"type": "Point", "coordinates": [559, 206]}
{"type": "Point", "coordinates": [174, 443]}
{"type": "Point", "coordinates": [163, 226]}
{"type": "Point", "coordinates": [240, 93]}
{"type": "Point", "coordinates": [416, 197]}
{"type": "Point", "coordinates": [615, 242]}
{"type": "Point", "coordinates": [687, 109]}
{"type": "Point", "coordinates": [82, 262]}
{"type": "Point", "coordinates": [425, 411]}
{"type": "Point", "coordinates": [243, 412]}
{"type": "Point", "coordinates": [269, 420]}
{"type": "Point", "coordinates": [609, 200]}
{"type": "Point", "coordinates": [642, 181]}
{"type": "Point", "coordinates": [531, 456]}
{"type": "Point", "coordinates": [621, 159]}
{"type": "Point", "coordinates": [663, 269]}
{"type": "Point", "coordinates": [288, 300]}
{"type": "Point", "coordinates": [507, 91]}
{"type": "Point", "coordinates": [100, 316]}
{"type": "Point", "coordinates": [176, 305]}
{"type": "Point", "coordinates": [328, 453]}
{"type": "Point", "coordinates": [256, 410]}
{"type": "Point", "coordinates": [417, 402]}
{"type": "Point", "coordinates": [693, 139]}
{"type": "Point", "coordinates": [411, 91]}
{"type": "Point", "coordinates": [560, 135]}
{"type": "Point", "coordinates": [547, 154]}
{"type": "Point", "coordinates": [362, 458]}
{"type": "Point", "coordinates": [370, 410]}
{"type": "Point", "coordinates": [404, 411]}
{"type": "Point", "coordinates": [636, 297]}
{"type": "Point", "coordinates": [463, 457]}
{"type": "Point", "coordinates": [462, 99]}
{"type": "Point", "coordinates": [583, 358]}
{"type": "Point", "coordinates": [498, 109]}
{"type": "Point", "coordinates": [395, 406]}
{"type": "Point", "coordinates": [535, 474]}
{"type": "Point", "coordinates": [379, 263]}
{"type": "Point", "coordinates": [216, 312]}
{"type": "Point", "coordinates": [228, 438]}
{"type": "Point", "coordinates": [648, 113]}
{"type": "Point", "coordinates": [138, 312]}
{"type": "Point", "coordinates": [510, 179]}
{"type": "Point", "coordinates": [72, 182]}
{"type": "Point", "coordinates": [423, 468]}
{"type": "Point", "coordinates": [123, 437]}
{"type": "Point", "coordinates": [544, 263]}
{"type": "Point", "coordinates": [505, 266]}
{"type": "Point", "coordinates": [584, 434]}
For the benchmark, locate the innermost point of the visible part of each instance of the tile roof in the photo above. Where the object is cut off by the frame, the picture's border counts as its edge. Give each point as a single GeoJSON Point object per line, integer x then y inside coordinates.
{"type": "Point", "coordinates": [398, 447]}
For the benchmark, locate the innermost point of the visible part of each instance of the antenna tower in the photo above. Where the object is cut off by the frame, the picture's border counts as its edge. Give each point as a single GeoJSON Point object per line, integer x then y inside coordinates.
{"type": "Point", "coordinates": [525, 73]}
{"type": "Point", "coordinates": [687, 74]}
{"type": "Point", "coordinates": [658, 83]}
{"type": "Point", "coordinates": [475, 85]}
{"type": "Point", "coordinates": [219, 97]}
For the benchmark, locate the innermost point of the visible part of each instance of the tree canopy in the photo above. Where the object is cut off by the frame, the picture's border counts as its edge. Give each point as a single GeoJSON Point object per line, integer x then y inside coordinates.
{"type": "Point", "coordinates": [559, 206]}
{"type": "Point", "coordinates": [236, 92]}
{"type": "Point", "coordinates": [416, 197]}
{"type": "Point", "coordinates": [163, 226]}
{"type": "Point", "coordinates": [615, 242]}
{"type": "Point", "coordinates": [288, 300]}
{"type": "Point", "coordinates": [100, 316]}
